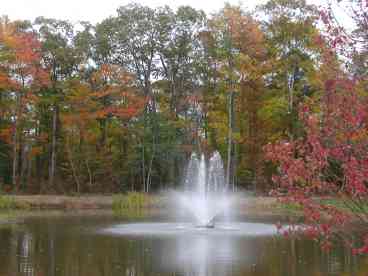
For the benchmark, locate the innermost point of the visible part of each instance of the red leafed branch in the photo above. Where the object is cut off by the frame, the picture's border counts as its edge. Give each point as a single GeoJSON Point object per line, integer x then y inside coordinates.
{"type": "Point", "coordinates": [331, 160]}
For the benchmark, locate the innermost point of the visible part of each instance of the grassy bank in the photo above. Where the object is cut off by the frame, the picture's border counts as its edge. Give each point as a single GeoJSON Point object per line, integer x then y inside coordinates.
{"type": "Point", "coordinates": [347, 205]}
{"type": "Point", "coordinates": [8, 203]}
{"type": "Point", "coordinates": [57, 202]}
{"type": "Point", "coordinates": [289, 208]}
{"type": "Point", "coordinates": [137, 201]}
{"type": "Point", "coordinates": [342, 204]}
{"type": "Point", "coordinates": [132, 201]}
{"type": "Point", "coordinates": [129, 201]}
{"type": "Point", "coordinates": [9, 206]}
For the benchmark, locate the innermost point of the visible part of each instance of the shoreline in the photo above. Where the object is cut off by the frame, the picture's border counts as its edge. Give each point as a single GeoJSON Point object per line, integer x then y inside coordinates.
{"type": "Point", "coordinates": [61, 202]}
{"type": "Point", "coordinates": [45, 205]}
{"type": "Point", "coordinates": [94, 202]}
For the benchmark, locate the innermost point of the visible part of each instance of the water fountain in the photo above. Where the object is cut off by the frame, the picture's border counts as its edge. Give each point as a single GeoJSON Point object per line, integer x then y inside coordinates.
{"type": "Point", "coordinates": [205, 191]}
{"type": "Point", "coordinates": [203, 232]}
{"type": "Point", "coordinates": [206, 200]}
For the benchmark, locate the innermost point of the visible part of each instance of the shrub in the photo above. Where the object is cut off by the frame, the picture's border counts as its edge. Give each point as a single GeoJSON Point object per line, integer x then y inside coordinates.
{"type": "Point", "coordinates": [136, 201]}
{"type": "Point", "coordinates": [7, 203]}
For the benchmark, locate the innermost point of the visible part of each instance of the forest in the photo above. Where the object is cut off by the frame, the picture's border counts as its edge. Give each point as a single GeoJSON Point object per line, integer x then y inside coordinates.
{"type": "Point", "coordinates": [280, 92]}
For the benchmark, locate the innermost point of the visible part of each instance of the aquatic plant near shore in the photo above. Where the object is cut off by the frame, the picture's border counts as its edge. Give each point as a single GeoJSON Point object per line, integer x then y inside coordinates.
{"type": "Point", "coordinates": [136, 201]}
{"type": "Point", "coordinates": [10, 203]}
{"type": "Point", "coordinates": [7, 203]}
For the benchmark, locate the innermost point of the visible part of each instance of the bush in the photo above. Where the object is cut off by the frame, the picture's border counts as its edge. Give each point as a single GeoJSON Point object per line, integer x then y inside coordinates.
{"type": "Point", "coordinates": [7, 203]}
{"type": "Point", "coordinates": [136, 201]}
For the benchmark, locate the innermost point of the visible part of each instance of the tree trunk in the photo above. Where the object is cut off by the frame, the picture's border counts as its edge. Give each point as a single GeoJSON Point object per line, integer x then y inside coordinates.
{"type": "Point", "coordinates": [71, 162]}
{"type": "Point", "coordinates": [15, 140]}
{"type": "Point", "coordinates": [53, 148]}
{"type": "Point", "coordinates": [29, 168]}
{"type": "Point", "coordinates": [290, 85]}
{"type": "Point", "coordinates": [103, 128]}
{"type": "Point", "coordinates": [143, 167]}
{"type": "Point", "coordinates": [90, 178]}
{"type": "Point", "coordinates": [230, 141]}
{"type": "Point", "coordinates": [15, 155]}
{"type": "Point", "coordinates": [148, 181]}
{"type": "Point", "coordinates": [24, 164]}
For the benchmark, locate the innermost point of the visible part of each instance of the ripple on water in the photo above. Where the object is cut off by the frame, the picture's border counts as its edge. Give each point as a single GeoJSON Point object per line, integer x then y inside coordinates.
{"type": "Point", "coordinates": [162, 229]}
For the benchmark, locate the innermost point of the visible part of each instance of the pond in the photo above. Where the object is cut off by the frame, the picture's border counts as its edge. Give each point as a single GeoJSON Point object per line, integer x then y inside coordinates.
{"type": "Point", "coordinates": [87, 244]}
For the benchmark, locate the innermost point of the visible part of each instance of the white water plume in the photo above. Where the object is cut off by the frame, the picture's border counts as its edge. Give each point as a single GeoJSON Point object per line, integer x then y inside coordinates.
{"type": "Point", "coordinates": [205, 195]}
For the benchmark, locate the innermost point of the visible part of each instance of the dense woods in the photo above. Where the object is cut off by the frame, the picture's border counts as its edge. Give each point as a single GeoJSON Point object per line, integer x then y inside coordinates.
{"type": "Point", "coordinates": [120, 105]}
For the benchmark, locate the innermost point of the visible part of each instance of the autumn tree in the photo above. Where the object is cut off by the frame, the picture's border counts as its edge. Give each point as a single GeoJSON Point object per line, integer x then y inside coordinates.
{"type": "Point", "coordinates": [241, 63]}
{"type": "Point", "coordinates": [5, 106]}
{"type": "Point", "coordinates": [179, 59]}
{"type": "Point", "coordinates": [291, 31]}
{"type": "Point", "coordinates": [329, 159]}
{"type": "Point", "coordinates": [24, 75]}
{"type": "Point", "coordinates": [128, 99]}
{"type": "Point", "coordinates": [119, 106]}
{"type": "Point", "coordinates": [57, 54]}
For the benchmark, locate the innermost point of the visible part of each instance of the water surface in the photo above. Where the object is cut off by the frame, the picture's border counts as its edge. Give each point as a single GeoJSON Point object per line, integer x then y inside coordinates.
{"type": "Point", "coordinates": [99, 244]}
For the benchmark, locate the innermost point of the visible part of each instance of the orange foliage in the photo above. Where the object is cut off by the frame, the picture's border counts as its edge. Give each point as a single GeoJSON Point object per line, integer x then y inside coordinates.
{"type": "Point", "coordinates": [112, 81]}
{"type": "Point", "coordinates": [5, 82]}
{"type": "Point", "coordinates": [23, 59]}
{"type": "Point", "coordinates": [36, 151]}
{"type": "Point", "coordinates": [245, 32]}
{"type": "Point", "coordinates": [6, 135]}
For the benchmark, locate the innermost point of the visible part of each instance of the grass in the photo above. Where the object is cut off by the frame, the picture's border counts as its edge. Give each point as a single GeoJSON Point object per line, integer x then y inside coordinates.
{"type": "Point", "coordinates": [347, 205]}
{"type": "Point", "coordinates": [8, 209]}
{"type": "Point", "coordinates": [8, 203]}
{"type": "Point", "coordinates": [136, 201]}
{"type": "Point", "coordinates": [290, 208]}
{"type": "Point", "coordinates": [339, 203]}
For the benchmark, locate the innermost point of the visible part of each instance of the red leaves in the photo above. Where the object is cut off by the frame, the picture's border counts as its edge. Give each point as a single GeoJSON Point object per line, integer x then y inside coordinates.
{"type": "Point", "coordinates": [113, 84]}
{"type": "Point", "coordinates": [120, 111]}
{"type": "Point", "coordinates": [312, 233]}
{"type": "Point", "coordinates": [326, 245]}
{"type": "Point", "coordinates": [26, 48]}
{"type": "Point", "coordinates": [363, 249]}
{"type": "Point", "coordinates": [337, 134]}
{"type": "Point", "coordinates": [22, 66]}
{"type": "Point", "coordinates": [112, 76]}
{"type": "Point", "coordinates": [325, 17]}
{"type": "Point", "coordinates": [109, 96]}
{"type": "Point", "coordinates": [341, 38]}
{"type": "Point", "coordinates": [330, 85]}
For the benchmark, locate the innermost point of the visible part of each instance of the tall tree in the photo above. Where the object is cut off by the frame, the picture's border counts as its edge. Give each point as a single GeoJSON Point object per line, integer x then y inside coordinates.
{"type": "Point", "coordinates": [59, 55]}
{"type": "Point", "coordinates": [291, 29]}
{"type": "Point", "coordinates": [241, 56]}
{"type": "Point", "coordinates": [24, 74]}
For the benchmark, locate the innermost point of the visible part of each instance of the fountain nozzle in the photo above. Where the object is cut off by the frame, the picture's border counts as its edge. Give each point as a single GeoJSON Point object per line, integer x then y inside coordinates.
{"type": "Point", "coordinates": [209, 224]}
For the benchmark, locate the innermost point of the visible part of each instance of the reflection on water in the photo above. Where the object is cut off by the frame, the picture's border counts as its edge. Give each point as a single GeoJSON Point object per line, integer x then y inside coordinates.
{"type": "Point", "coordinates": [76, 247]}
{"type": "Point", "coordinates": [25, 264]}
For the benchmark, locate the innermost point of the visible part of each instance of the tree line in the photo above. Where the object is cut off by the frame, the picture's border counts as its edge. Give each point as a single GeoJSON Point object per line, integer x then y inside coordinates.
{"type": "Point", "coordinates": [121, 104]}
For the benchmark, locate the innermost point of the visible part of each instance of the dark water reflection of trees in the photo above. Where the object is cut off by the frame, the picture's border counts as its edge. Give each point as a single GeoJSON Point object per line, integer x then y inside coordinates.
{"type": "Point", "coordinates": [73, 247]}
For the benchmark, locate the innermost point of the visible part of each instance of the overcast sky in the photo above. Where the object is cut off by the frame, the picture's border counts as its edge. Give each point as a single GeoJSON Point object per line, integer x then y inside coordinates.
{"type": "Point", "coordinates": [97, 10]}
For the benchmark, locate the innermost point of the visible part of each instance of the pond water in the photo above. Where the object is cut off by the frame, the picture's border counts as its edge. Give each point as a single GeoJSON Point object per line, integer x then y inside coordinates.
{"type": "Point", "coordinates": [102, 244]}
